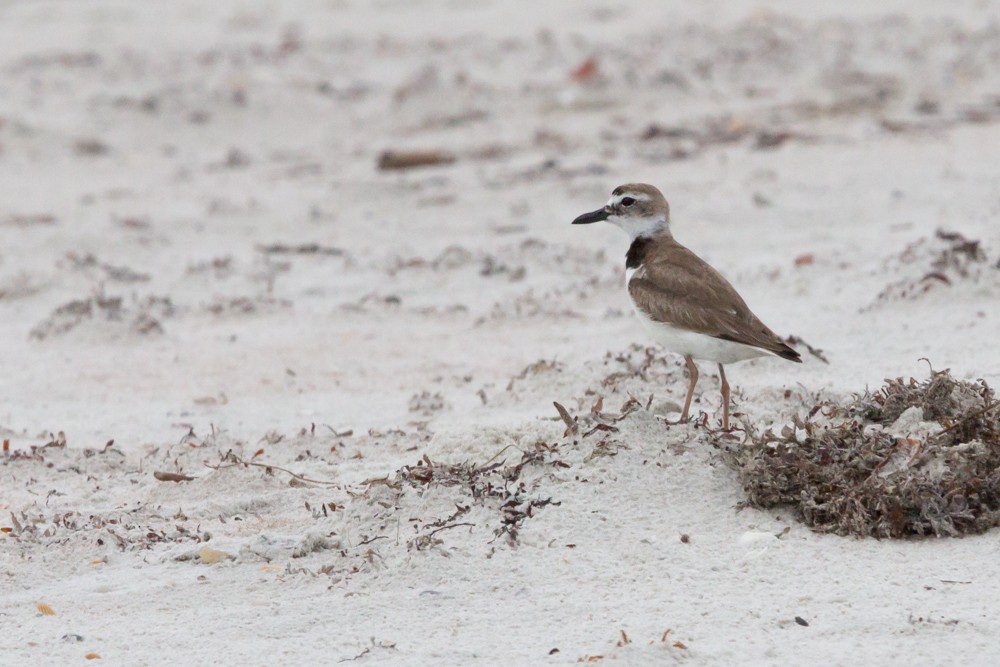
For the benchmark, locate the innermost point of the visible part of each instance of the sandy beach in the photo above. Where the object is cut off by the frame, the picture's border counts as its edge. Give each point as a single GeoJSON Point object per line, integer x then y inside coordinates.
{"type": "Point", "coordinates": [267, 402]}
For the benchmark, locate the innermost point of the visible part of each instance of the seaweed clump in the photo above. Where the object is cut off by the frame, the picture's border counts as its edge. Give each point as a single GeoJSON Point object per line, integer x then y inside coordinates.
{"type": "Point", "coordinates": [912, 459]}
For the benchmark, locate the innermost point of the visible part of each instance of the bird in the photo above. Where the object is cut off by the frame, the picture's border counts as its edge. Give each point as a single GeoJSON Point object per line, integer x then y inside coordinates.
{"type": "Point", "coordinates": [684, 303]}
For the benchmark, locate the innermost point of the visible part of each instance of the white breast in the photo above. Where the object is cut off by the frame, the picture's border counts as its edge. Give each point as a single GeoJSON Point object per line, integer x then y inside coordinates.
{"type": "Point", "coordinates": [690, 343]}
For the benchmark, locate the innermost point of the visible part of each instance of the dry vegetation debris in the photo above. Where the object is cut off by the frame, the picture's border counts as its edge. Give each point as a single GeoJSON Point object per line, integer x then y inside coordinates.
{"type": "Point", "coordinates": [911, 459]}
{"type": "Point", "coordinates": [498, 484]}
{"type": "Point", "coordinates": [947, 259]}
{"type": "Point", "coordinates": [139, 316]}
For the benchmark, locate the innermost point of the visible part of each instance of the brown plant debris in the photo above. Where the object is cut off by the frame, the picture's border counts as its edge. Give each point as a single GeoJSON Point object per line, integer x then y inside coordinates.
{"type": "Point", "coordinates": [571, 425]}
{"type": "Point", "coordinates": [29, 219]}
{"type": "Point", "coordinates": [140, 316]}
{"type": "Point", "coordinates": [911, 459]}
{"type": "Point", "coordinates": [391, 646]}
{"type": "Point", "coordinates": [300, 249]}
{"type": "Point", "coordinates": [946, 260]}
{"type": "Point", "coordinates": [427, 403]}
{"type": "Point", "coordinates": [392, 160]}
{"type": "Point", "coordinates": [90, 147]}
{"type": "Point", "coordinates": [494, 483]}
{"type": "Point", "coordinates": [172, 477]}
{"type": "Point", "coordinates": [231, 460]}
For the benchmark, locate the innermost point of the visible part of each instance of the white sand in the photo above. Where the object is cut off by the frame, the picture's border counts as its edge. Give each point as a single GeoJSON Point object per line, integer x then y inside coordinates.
{"type": "Point", "coordinates": [463, 305]}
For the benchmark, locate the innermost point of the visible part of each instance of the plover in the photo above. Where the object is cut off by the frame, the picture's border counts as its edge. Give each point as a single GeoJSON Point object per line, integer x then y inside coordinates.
{"type": "Point", "coordinates": [685, 304]}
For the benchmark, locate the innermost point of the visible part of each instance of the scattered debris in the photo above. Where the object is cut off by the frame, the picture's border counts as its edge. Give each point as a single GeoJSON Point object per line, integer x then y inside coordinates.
{"type": "Point", "coordinates": [124, 274]}
{"type": "Point", "coordinates": [571, 425]}
{"type": "Point", "coordinates": [397, 159]}
{"type": "Point", "coordinates": [172, 477]}
{"type": "Point", "coordinates": [911, 459]}
{"type": "Point", "coordinates": [115, 273]}
{"type": "Point", "coordinates": [236, 159]}
{"type": "Point", "coordinates": [427, 403]}
{"type": "Point", "coordinates": [387, 645]}
{"type": "Point", "coordinates": [300, 249]}
{"type": "Point", "coordinates": [655, 131]}
{"type": "Point", "coordinates": [230, 460]}
{"type": "Point", "coordinates": [134, 222]}
{"type": "Point", "coordinates": [493, 480]}
{"type": "Point", "coordinates": [245, 305]}
{"type": "Point", "coordinates": [29, 219]}
{"type": "Point", "coordinates": [20, 286]}
{"type": "Point", "coordinates": [542, 366]}
{"type": "Point", "coordinates": [585, 72]}
{"type": "Point", "coordinates": [91, 147]}
{"type": "Point", "coordinates": [492, 266]}
{"type": "Point", "coordinates": [767, 139]}
{"type": "Point", "coordinates": [141, 316]}
{"type": "Point", "coordinates": [220, 267]}
{"type": "Point", "coordinates": [686, 142]}
{"type": "Point", "coordinates": [947, 259]}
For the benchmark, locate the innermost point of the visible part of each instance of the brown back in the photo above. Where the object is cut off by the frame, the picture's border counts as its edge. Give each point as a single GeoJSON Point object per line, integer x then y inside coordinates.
{"type": "Point", "coordinates": [676, 287]}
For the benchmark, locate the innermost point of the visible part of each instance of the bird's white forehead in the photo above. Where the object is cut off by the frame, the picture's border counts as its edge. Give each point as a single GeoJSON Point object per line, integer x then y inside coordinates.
{"type": "Point", "coordinates": [639, 196]}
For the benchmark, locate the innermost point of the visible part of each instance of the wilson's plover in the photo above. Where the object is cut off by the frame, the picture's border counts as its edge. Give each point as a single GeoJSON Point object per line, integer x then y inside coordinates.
{"type": "Point", "coordinates": [685, 304]}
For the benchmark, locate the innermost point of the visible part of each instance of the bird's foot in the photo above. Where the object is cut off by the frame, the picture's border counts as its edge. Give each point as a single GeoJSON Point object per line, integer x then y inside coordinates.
{"type": "Point", "coordinates": [684, 419]}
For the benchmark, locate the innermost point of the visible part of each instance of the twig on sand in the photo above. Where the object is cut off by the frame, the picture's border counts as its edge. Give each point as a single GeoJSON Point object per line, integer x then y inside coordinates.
{"type": "Point", "coordinates": [382, 644]}
{"type": "Point", "coordinates": [301, 249]}
{"type": "Point", "coordinates": [497, 455]}
{"type": "Point", "coordinates": [451, 525]}
{"type": "Point", "coordinates": [172, 476]}
{"type": "Point", "coordinates": [394, 159]}
{"type": "Point", "coordinates": [237, 461]}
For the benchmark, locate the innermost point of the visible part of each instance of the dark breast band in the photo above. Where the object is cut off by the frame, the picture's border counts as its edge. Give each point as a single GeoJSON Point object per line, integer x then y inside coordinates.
{"type": "Point", "coordinates": [637, 252]}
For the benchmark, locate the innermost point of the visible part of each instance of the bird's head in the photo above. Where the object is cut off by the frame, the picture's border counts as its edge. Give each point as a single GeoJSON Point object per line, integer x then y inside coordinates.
{"type": "Point", "coordinates": [638, 208]}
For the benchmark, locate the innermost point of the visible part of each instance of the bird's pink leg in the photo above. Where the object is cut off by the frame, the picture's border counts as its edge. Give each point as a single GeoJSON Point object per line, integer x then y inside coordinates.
{"type": "Point", "coordinates": [725, 399]}
{"type": "Point", "coordinates": [693, 373]}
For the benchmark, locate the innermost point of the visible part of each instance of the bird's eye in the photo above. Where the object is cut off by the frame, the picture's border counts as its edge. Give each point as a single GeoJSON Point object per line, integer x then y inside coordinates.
{"type": "Point", "coordinates": [627, 201]}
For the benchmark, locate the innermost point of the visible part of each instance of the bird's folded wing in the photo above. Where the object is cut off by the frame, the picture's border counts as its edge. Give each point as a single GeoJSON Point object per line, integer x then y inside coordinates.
{"type": "Point", "coordinates": [683, 291]}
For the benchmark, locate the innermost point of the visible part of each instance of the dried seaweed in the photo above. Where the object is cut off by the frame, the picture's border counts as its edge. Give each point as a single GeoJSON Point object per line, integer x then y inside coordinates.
{"type": "Point", "coordinates": [172, 477]}
{"type": "Point", "coordinates": [142, 316]}
{"type": "Point", "coordinates": [493, 483]}
{"type": "Point", "coordinates": [911, 459]}
{"type": "Point", "coordinates": [300, 249]}
{"type": "Point", "coordinates": [949, 259]}
{"type": "Point", "coordinates": [399, 159]}
{"type": "Point", "coordinates": [231, 460]}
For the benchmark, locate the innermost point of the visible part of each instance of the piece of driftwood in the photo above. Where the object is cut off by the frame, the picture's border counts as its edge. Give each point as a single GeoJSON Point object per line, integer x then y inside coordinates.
{"type": "Point", "coordinates": [390, 160]}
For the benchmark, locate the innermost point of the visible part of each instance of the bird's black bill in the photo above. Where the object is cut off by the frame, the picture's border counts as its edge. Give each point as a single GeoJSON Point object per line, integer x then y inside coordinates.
{"type": "Point", "coordinates": [593, 216]}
